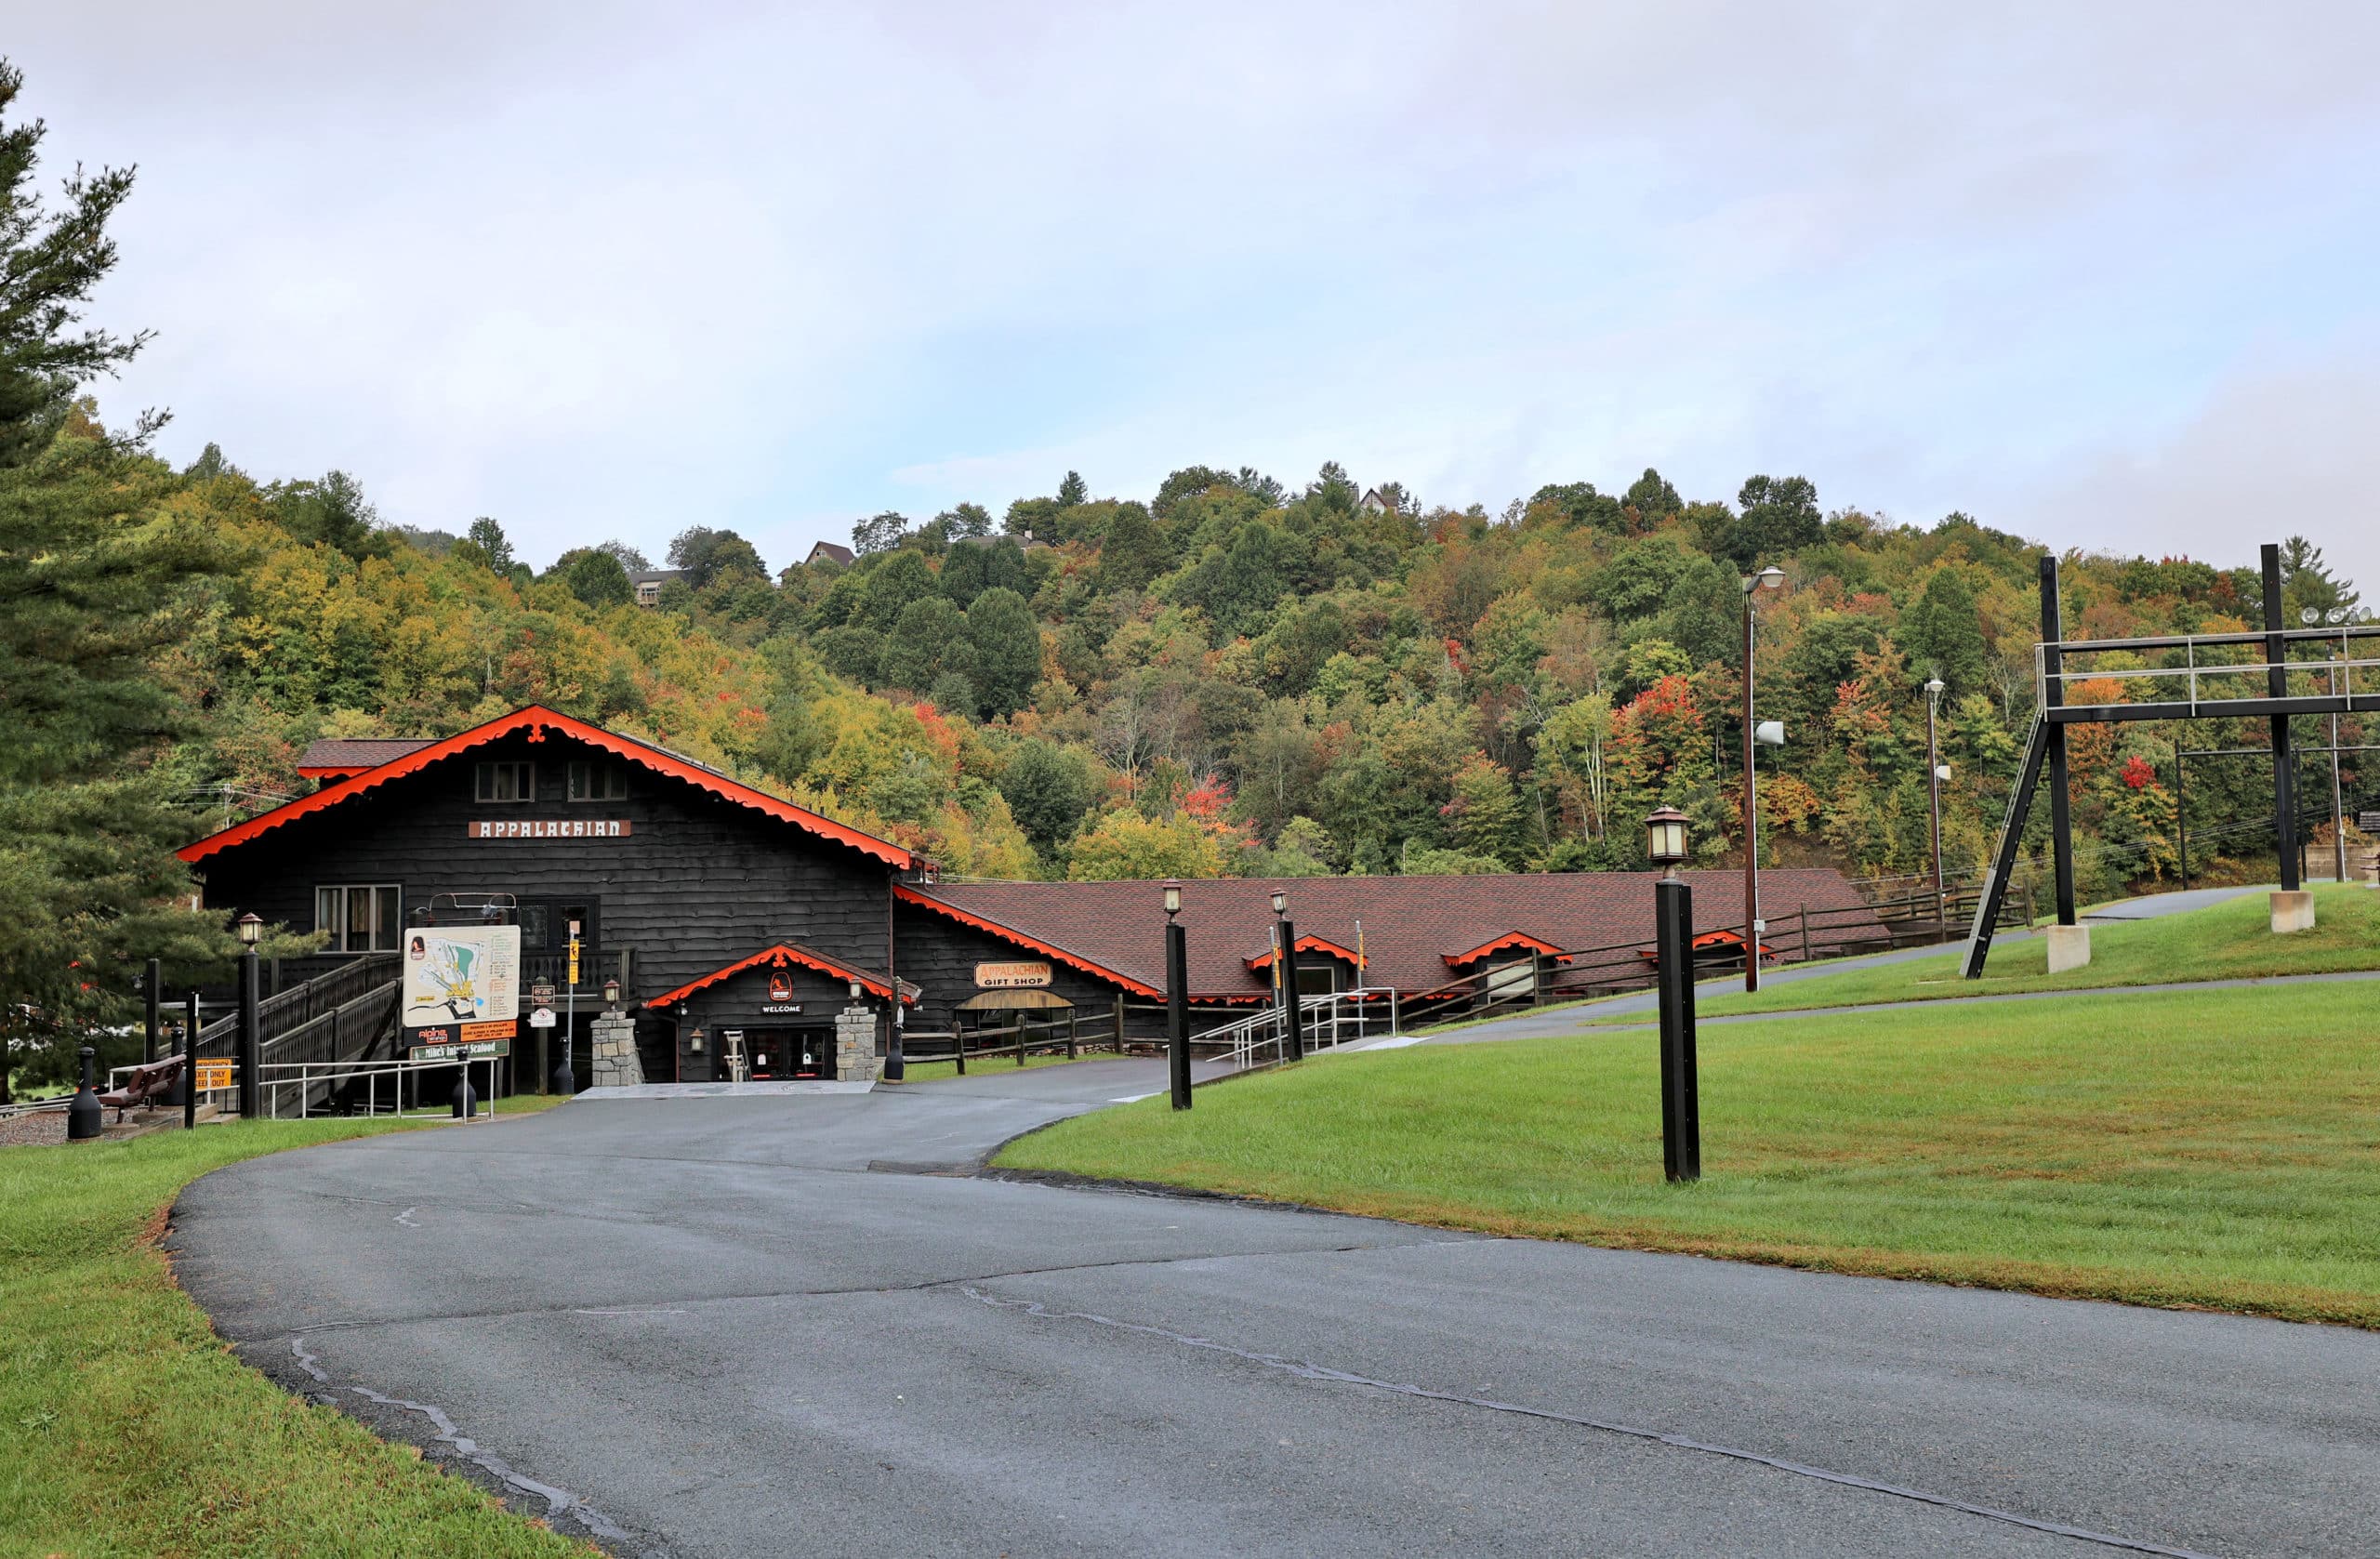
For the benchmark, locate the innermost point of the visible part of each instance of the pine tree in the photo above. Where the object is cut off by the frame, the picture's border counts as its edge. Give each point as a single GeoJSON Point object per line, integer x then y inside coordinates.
{"type": "Point", "coordinates": [94, 569]}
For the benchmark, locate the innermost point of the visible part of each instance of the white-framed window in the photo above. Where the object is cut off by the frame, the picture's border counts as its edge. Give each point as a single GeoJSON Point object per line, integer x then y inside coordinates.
{"type": "Point", "coordinates": [599, 782]}
{"type": "Point", "coordinates": [506, 782]}
{"type": "Point", "coordinates": [361, 918]}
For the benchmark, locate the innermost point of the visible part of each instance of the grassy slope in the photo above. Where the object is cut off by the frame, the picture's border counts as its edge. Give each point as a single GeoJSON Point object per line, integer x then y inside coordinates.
{"type": "Point", "coordinates": [127, 1428]}
{"type": "Point", "coordinates": [2228, 941]}
{"type": "Point", "coordinates": [2216, 1148]}
{"type": "Point", "coordinates": [915, 1071]}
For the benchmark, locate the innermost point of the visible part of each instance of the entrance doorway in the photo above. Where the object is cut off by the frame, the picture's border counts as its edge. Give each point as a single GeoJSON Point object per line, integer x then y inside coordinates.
{"type": "Point", "coordinates": [778, 1054]}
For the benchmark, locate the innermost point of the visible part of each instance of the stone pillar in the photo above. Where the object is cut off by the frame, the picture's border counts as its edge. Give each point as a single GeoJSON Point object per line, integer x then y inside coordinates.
{"type": "Point", "coordinates": [855, 1057]}
{"type": "Point", "coordinates": [2293, 912]}
{"type": "Point", "coordinates": [615, 1051]}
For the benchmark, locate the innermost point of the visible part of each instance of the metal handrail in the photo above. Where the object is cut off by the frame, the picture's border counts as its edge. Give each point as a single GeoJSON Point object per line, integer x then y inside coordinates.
{"type": "Point", "coordinates": [308, 1075]}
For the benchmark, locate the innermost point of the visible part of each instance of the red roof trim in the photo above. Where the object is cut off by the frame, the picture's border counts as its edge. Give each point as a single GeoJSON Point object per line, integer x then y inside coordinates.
{"type": "Point", "coordinates": [1510, 939]}
{"type": "Point", "coordinates": [777, 958]}
{"type": "Point", "coordinates": [1308, 944]}
{"type": "Point", "coordinates": [335, 770]}
{"type": "Point", "coordinates": [537, 720]}
{"type": "Point", "coordinates": [965, 918]}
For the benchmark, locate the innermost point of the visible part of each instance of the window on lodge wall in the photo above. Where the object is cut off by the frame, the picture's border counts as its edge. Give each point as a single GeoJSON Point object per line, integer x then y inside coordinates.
{"type": "Point", "coordinates": [599, 782]}
{"type": "Point", "coordinates": [506, 782]}
{"type": "Point", "coordinates": [359, 918]}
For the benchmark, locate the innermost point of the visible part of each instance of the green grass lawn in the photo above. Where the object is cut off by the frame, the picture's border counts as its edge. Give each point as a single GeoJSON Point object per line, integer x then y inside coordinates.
{"type": "Point", "coordinates": [129, 1428]}
{"type": "Point", "coordinates": [2228, 941]}
{"type": "Point", "coordinates": [2215, 1149]}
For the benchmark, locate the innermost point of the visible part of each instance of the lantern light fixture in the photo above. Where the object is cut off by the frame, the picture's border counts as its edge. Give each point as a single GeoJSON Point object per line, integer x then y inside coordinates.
{"type": "Point", "coordinates": [1172, 897]}
{"type": "Point", "coordinates": [1768, 578]}
{"type": "Point", "coordinates": [612, 993]}
{"type": "Point", "coordinates": [1665, 838]}
{"type": "Point", "coordinates": [1280, 902]}
{"type": "Point", "coordinates": [859, 992]}
{"type": "Point", "coordinates": [250, 928]}
{"type": "Point", "coordinates": [1934, 688]}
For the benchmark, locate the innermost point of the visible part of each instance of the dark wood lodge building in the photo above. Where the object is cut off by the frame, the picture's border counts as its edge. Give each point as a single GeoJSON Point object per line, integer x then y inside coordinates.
{"type": "Point", "coordinates": [719, 906]}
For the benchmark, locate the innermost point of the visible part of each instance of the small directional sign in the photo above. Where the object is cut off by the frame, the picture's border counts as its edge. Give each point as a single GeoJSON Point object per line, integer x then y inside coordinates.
{"type": "Point", "coordinates": [484, 1050]}
{"type": "Point", "coordinates": [542, 1018]}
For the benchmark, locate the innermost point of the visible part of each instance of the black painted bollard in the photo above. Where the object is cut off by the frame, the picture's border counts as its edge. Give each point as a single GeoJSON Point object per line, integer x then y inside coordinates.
{"type": "Point", "coordinates": [1681, 1116]}
{"type": "Point", "coordinates": [466, 1099]}
{"type": "Point", "coordinates": [84, 1116]}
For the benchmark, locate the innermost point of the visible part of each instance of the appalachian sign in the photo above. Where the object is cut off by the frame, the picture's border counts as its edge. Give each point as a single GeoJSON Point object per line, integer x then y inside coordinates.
{"type": "Point", "coordinates": [547, 828]}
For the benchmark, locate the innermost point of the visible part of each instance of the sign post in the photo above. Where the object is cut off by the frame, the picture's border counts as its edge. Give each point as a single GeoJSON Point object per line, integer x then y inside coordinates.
{"type": "Point", "coordinates": [565, 1082]}
{"type": "Point", "coordinates": [541, 1018]}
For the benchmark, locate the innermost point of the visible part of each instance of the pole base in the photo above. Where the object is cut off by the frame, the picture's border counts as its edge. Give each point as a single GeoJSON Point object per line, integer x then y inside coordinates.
{"type": "Point", "coordinates": [2070, 947]}
{"type": "Point", "coordinates": [2293, 912]}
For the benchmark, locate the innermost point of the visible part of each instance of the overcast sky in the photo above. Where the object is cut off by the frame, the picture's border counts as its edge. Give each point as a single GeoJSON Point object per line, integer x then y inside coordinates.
{"type": "Point", "coordinates": [2097, 274]}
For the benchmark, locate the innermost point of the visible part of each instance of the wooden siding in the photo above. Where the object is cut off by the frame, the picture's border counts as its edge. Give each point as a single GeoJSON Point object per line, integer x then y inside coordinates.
{"type": "Point", "coordinates": [697, 883]}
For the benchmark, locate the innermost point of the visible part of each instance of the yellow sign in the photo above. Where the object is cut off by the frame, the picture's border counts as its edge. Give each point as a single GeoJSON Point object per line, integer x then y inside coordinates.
{"type": "Point", "coordinates": [574, 961]}
{"type": "Point", "coordinates": [214, 1074]}
{"type": "Point", "coordinates": [1011, 976]}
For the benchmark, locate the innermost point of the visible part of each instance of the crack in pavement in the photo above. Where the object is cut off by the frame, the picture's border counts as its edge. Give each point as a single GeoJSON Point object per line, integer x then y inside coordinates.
{"type": "Point", "coordinates": [560, 1502]}
{"type": "Point", "coordinates": [921, 1286]}
{"type": "Point", "coordinates": [1307, 1372]}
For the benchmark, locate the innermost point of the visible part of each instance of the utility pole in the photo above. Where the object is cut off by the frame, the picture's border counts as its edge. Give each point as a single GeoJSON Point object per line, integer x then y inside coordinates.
{"type": "Point", "coordinates": [1767, 579]}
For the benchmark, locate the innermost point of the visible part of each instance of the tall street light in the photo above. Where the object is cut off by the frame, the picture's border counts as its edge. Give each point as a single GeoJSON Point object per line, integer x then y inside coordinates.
{"type": "Point", "coordinates": [1768, 578]}
{"type": "Point", "coordinates": [1177, 998]}
{"type": "Point", "coordinates": [1933, 787]}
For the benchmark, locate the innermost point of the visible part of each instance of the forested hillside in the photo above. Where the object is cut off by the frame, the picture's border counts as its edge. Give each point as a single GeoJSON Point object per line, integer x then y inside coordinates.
{"type": "Point", "coordinates": [1230, 676]}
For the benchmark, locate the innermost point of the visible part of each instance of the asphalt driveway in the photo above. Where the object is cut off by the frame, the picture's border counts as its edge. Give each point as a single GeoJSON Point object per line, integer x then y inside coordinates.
{"type": "Point", "coordinates": [787, 1326]}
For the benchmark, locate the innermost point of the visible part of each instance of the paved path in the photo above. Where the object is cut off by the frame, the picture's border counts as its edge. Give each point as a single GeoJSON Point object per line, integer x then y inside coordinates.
{"type": "Point", "coordinates": [1566, 1020]}
{"type": "Point", "coordinates": [731, 1327]}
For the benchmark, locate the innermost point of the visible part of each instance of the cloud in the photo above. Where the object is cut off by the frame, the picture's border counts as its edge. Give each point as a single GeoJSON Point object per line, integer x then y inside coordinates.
{"type": "Point", "coordinates": [2279, 449]}
{"type": "Point", "coordinates": [608, 270]}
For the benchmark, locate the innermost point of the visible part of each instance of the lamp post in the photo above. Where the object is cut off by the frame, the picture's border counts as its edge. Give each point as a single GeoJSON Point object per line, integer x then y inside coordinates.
{"type": "Point", "coordinates": [1934, 792]}
{"type": "Point", "coordinates": [250, 928]}
{"type": "Point", "coordinates": [1674, 947]}
{"type": "Point", "coordinates": [1768, 578]}
{"type": "Point", "coordinates": [1285, 967]}
{"type": "Point", "coordinates": [1177, 998]}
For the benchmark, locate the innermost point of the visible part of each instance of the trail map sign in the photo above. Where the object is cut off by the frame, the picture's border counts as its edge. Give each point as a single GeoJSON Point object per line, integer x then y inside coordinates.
{"type": "Point", "coordinates": [463, 982]}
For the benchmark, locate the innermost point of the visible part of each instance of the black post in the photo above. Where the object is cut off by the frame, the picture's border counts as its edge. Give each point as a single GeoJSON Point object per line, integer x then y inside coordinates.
{"type": "Point", "coordinates": [1292, 1019]}
{"type": "Point", "coordinates": [1681, 1118]}
{"type": "Point", "coordinates": [466, 1098]}
{"type": "Point", "coordinates": [2284, 758]}
{"type": "Point", "coordinates": [83, 1117]}
{"type": "Point", "coordinates": [154, 972]}
{"type": "Point", "coordinates": [2061, 824]}
{"type": "Point", "coordinates": [1177, 1011]}
{"type": "Point", "coordinates": [189, 1064]}
{"type": "Point", "coordinates": [2182, 814]}
{"type": "Point", "coordinates": [251, 1044]}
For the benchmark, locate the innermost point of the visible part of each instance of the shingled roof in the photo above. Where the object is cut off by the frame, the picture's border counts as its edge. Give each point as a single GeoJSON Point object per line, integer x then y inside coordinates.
{"type": "Point", "coordinates": [338, 757]}
{"type": "Point", "coordinates": [1417, 933]}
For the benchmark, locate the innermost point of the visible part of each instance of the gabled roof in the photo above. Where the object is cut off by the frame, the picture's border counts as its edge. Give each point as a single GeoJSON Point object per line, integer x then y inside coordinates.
{"type": "Point", "coordinates": [338, 757]}
{"type": "Point", "coordinates": [1305, 944]}
{"type": "Point", "coordinates": [537, 720]}
{"type": "Point", "coordinates": [828, 551]}
{"type": "Point", "coordinates": [1499, 944]}
{"type": "Point", "coordinates": [785, 954]}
